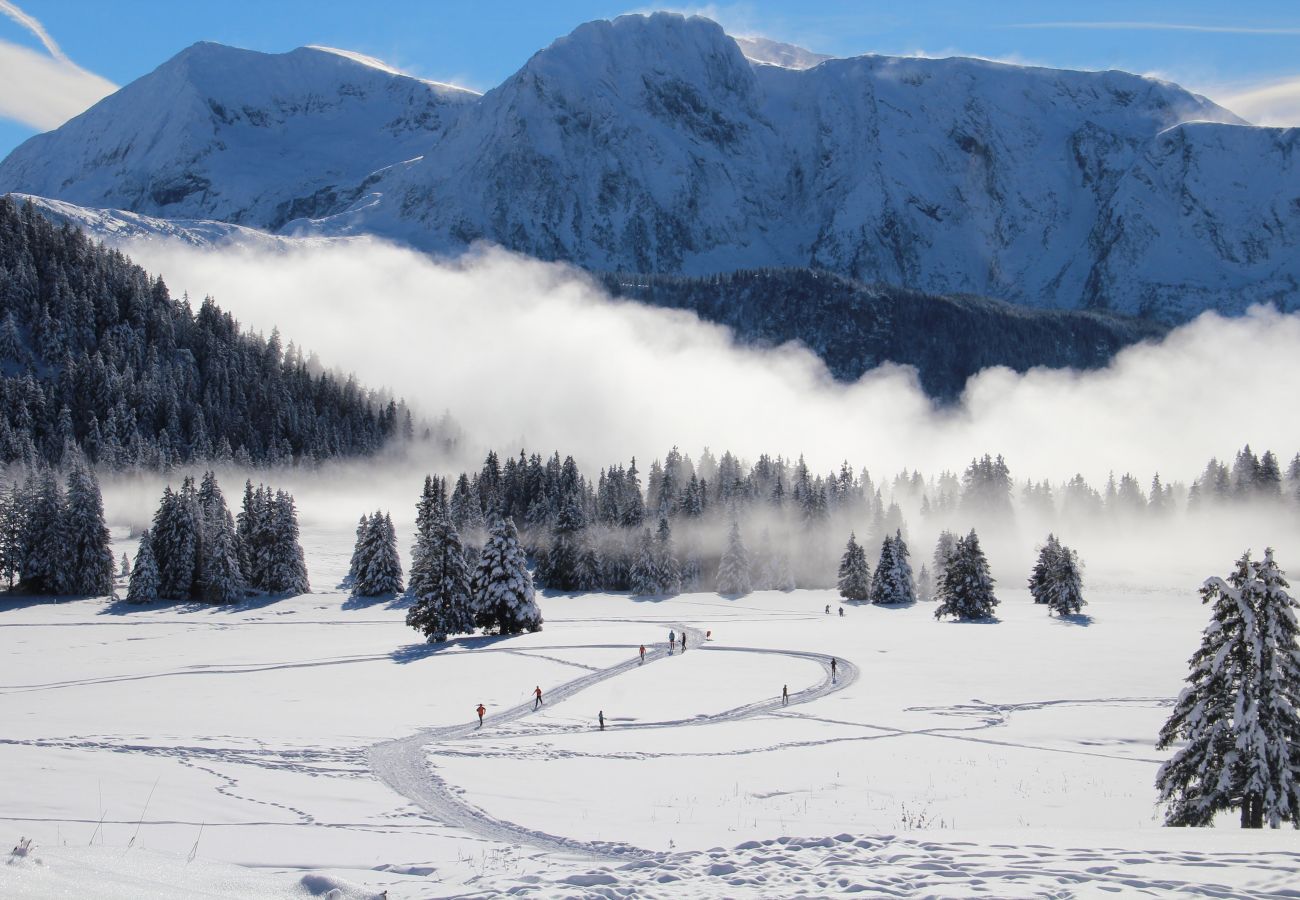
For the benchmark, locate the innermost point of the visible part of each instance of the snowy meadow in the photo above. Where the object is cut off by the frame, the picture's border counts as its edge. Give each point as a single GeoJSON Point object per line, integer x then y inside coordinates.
{"type": "Point", "coordinates": [288, 746]}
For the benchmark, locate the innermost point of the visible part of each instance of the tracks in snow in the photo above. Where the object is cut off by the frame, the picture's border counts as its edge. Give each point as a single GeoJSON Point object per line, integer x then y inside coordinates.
{"type": "Point", "coordinates": [403, 764]}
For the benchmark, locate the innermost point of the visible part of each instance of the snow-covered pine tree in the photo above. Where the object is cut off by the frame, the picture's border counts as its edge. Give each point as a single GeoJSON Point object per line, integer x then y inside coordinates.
{"type": "Point", "coordinates": [924, 585]}
{"type": "Point", "coordinates": [286, 570]}
{"type": "Point", "coordinates": [733, 569]}
{"type": "Point", "coordinates": [643, 578]}
{"type": "Point", "coordinates": [892, 583]}
{"type": "Point", "coordinates": [1065, 595]}
{"type": "Point", "coordinates": [223, 579]}
{"type": "Point", "coordinates": [1273, 784]}
{"type": "Point", "coordinates": [855, 573]}
{"type": "Point", "coordinates": [943, 549]}
{"type": "Point", "coordinates": [445, 605]}
{"type": "Point", "coordinates": [43, 546]}
{"type": "Point", "coordinates": [176, 543]}
{"type": "Point", "coordinates": [380, 569]}
{"type": "Point", "coordinates": [504, 600]}
{"type": "Point", "coordinates": [13, 528]}
{"type": "Point", "coordinates": [144, 575]}
{"type": "Point", "coordinates": [563, 558]}
{"type": "Point", "coordinates": [967, 587]}
{"type": "Point", "coordinates": [88, 558]}
{"type": "Point", "coordinates": [250, 529]}
{"type": "Point", "coordinates": [1239, 713]}
{"type": "Point", "coordinates": [359, 550]}
{"type": "Point", "coordinates": [1040, 578]}
{"type": "Point", "coordinates": [124, 570]}
{"type": "Point", "coordinates": [422, 576]}
{"type": "Point", "coordinates": [668, 572]}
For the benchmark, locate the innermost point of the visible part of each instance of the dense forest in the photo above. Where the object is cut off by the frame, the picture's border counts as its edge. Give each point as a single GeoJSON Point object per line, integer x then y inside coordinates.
{"type": "Point", "coordinates": [95, 354]}
{"type": "Point", "coordinates": [854, 327]}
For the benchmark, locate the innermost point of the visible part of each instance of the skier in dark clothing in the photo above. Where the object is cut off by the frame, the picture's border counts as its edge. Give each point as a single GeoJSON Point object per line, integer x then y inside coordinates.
{"type": "Point", "coordinates": [643, 653]}
{"type": "Point", "coordinates": [841, 612]}
{"type": "Point", "coordinates": [683, 642]}
{"type": "Point", "coordinates": [600, 717]}
{"type": "Point", "coordinates": [481, 710]}
{"type": "Point", "coordinates": [672, 642]}
{"type": "Point", "coordinates": [537, 693]}
{"type": "Point", "coordinates": [785, 694]}
{"type": "Point", "coordinates": [834, 667]}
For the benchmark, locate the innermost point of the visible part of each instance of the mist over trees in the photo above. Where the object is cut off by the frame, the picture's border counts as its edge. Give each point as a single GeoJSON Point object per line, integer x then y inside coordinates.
{"type": "Point", "coordinates": [668, 527]}
{"type": "Point", "coordinates": [97, 357]}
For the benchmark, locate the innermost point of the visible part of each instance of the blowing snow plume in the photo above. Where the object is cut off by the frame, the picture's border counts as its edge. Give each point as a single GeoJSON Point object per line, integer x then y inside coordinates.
{"type": "Point", "coordinates": [520, 350]}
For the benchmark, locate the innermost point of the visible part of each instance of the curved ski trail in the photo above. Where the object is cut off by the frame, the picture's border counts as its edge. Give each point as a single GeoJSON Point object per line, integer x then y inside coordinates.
{"type": "Point", "coordinates": [403, 764]}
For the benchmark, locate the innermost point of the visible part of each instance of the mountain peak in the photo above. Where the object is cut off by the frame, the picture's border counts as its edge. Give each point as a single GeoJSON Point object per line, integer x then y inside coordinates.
{"type": "Point", "coordinates": [774, 53]}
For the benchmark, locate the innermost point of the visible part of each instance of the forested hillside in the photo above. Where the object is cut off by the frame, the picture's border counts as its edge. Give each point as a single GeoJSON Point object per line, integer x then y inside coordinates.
{"type": "Point", "coordinates": [855, 327]}
{"type": "Point", "coordinates": [95, 353]}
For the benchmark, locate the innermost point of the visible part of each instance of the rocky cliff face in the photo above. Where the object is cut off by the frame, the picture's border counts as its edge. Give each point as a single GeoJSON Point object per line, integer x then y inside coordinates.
{"type": "Point", "coordinates": [653, 144]}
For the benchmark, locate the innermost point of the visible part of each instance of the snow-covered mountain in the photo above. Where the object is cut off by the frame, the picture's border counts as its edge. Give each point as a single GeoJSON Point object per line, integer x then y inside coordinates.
{"type": "Point", "coordinates": [243, 137]}
{"type": "Point", "coordinates": [654, 144]}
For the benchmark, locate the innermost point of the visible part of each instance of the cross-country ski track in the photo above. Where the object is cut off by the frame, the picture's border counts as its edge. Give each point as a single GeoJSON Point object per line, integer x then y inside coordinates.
{"type": "Point", "coordinates": [404, 765]}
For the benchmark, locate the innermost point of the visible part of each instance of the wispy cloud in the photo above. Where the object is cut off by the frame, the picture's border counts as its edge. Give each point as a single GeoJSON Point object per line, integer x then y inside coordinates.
{"type": "Point", "coordinates": [53, 87]}
{"type": "Point", "coordinates": [1163, 26]}
{"type": "Point", "coordinates": [35, 27]}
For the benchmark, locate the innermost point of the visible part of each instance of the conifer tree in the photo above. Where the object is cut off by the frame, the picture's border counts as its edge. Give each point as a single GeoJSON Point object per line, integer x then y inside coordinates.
{"type": "Point", "coordinates": [943, 549]}
{"type": "Point", "coordinates": [966, 591]}
{"type": "Point", "coordinates": [504, 600]}
{"type": "Point", "coordinates": [643, 578]}
{"type": "Point", "coordinates": [924, 585]}
{"type": "Point", "coordinates": [892, 583]}
{"type": "Point", "coordinates": [563, 560]}
{"type": "Point", "coordinates": [446, 605]}
{"type": "Point", "coordinates": [668, 572]}
{"type": "Point", "coordinates": [124, 571]}
{"type": "Point", "coordinates": [41, 570]}
{"type": "Point", "coordinates": [13, 530]}
{"type": "Point", "coordinates": [1239, 713]}
{"type": "Point", "coordinates": [359, 548]}
{"type": "Point", "coordinates": [223, 579]}
{"type": "Point", "coordinates": [1040, 579]}
{"type": "Point", "coordinates": [380, 568]}
{"type": "Point", "coordinates": [176, 543]}
{"type": "Point", "coordinates": [855, 574]}
{"type": "Point", "coordinates": [733, 569]}
{"type": "Point", "coordinates": [286, 570]}
{"type": "Point", "coordinates": [87, 557]}
{"type": "Point", "coordinates": [143, 587]}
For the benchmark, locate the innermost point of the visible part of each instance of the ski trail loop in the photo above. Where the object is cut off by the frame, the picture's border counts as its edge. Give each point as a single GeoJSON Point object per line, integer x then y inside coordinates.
{"type": "Point", "coordinates": [403, 764]}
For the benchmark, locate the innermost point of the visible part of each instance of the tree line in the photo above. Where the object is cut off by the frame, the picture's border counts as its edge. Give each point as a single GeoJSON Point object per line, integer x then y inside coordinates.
{"type": "Point", "coordinates": [98, 357]}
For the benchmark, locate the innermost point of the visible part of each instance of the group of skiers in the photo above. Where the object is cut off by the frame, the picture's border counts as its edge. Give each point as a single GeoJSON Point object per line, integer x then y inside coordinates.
{"type": "Point", "coordinates": [672, 646]}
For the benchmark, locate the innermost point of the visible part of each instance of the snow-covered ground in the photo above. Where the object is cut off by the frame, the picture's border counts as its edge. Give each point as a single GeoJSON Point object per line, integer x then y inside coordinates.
{"type": "Point", "coordinates": [317, 740]}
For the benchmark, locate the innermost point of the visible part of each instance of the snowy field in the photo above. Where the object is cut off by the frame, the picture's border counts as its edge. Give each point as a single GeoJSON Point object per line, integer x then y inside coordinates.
{"type": "Point", "coordinates": [158, 751]}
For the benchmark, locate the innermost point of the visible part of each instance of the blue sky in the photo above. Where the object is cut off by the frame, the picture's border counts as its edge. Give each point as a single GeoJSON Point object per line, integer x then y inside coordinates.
{"type": "Point", "coordinates": [1245, 54]}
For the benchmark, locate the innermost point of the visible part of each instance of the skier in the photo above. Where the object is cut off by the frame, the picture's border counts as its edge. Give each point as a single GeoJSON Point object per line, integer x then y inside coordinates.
{"type": "Point", "coordinates": [841, 612]}
{"type": "Point", "coordinates": [481, 710]}
{"type": "Point", "coordinates": [785, 694]}
{"type": "Point", "coordinates": [834, 666]}
{"type": "Point", "coordinates": [672, 642]}
{"type": "Point", "coordinates": [828, 609]}
{"type": "Point", "coordinates": [683, 642]}
{"type": "Point", "coordinates": [643, 654]}
{"type": "Point", "coordinates": [537, 692]}
{"type": "Point", "coordinates": [600, 717]}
